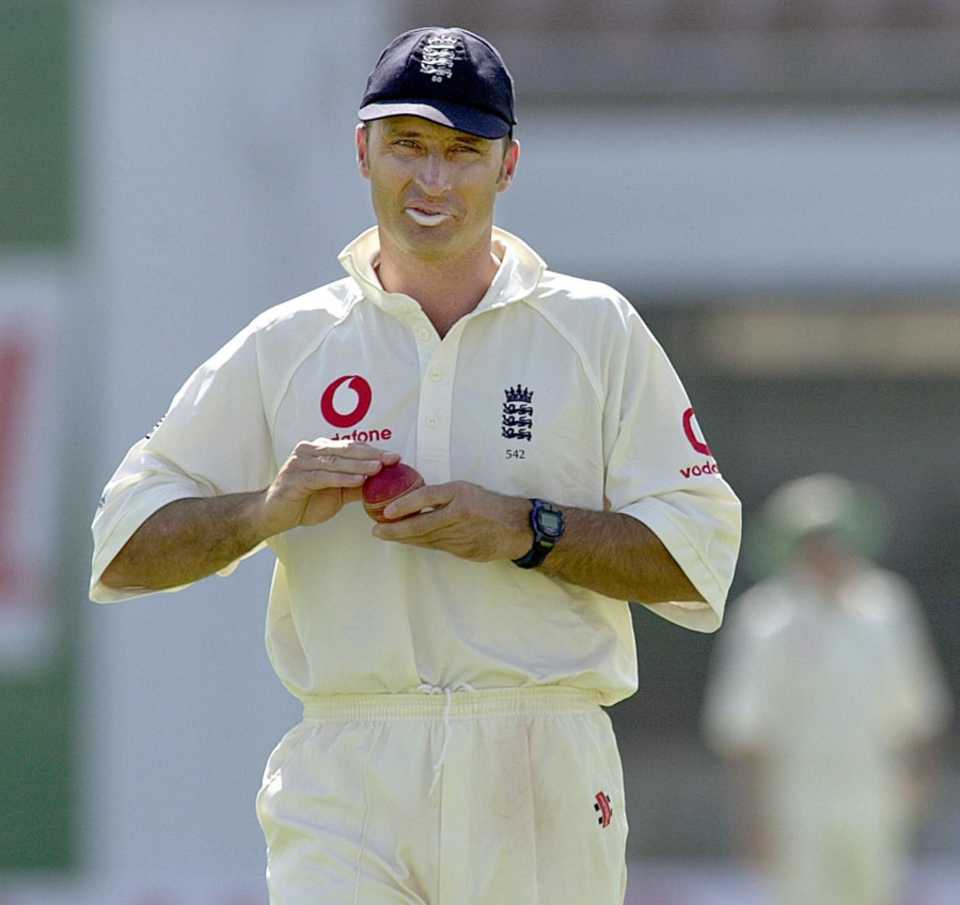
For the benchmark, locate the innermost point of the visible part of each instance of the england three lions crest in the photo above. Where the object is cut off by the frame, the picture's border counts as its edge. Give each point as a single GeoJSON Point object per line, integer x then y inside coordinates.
{"type": "Point", "coordinates": [517, 422]}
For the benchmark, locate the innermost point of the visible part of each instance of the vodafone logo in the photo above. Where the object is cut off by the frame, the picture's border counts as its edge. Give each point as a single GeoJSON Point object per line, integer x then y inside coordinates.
{"type": "Point", "coordinates": [361, 405]}
{"type": "Point", "coordinates": [691, 429]}
{"type": "Point", "coordinates": [695, 471]}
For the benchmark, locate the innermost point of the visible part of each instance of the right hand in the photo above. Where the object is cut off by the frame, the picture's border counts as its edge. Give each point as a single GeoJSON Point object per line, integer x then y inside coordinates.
{"type": "Point", "coordinates": [317, 480]}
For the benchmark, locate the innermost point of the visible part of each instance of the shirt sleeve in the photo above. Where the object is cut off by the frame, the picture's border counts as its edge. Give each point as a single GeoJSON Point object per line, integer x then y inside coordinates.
{"type": "Point", "coordinates": [919, 701]}
{"type": "Point", "coordinates": [661, 471]}
{"type": "Point", "coordinates": [214, 439]}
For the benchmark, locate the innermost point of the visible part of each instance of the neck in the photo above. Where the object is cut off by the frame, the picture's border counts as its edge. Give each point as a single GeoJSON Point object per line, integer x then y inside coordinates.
{"type": "Point", "coordinates": [446, 287]}
{"type": "Point", "coordinates": [831, 577]}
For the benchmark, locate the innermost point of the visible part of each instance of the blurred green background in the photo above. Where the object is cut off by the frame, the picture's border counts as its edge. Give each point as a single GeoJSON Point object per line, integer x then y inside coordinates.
{"type": "Point", "coordinates": [37, 764]}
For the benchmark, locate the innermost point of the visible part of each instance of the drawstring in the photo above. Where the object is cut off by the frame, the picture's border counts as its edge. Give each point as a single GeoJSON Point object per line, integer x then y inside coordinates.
{"type": "Point", "coordinates": [448, 691]}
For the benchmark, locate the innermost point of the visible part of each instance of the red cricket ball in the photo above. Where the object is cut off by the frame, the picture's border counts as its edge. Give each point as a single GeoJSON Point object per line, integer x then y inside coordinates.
{"type": "Point", "coordinates": [386, 485]}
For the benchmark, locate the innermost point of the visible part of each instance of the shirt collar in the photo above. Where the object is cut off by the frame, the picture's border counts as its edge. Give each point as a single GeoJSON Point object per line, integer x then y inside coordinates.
{"type": "Point", "coordinates": [517, 276]}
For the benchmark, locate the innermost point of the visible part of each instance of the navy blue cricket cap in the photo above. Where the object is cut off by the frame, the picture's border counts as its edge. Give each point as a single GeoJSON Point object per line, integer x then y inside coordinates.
{"type": "Point", "coordinates": [447, 75]}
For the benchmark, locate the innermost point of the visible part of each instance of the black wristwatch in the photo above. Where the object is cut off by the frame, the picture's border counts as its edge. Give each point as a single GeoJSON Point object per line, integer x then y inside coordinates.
{"type": "Point", "coordinates": [547, 523]}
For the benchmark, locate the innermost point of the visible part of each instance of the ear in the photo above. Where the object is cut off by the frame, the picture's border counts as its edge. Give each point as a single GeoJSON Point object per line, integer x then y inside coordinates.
{"type": "Point", "coordinates": [508, 168]}
{"type": "Point", "coordinates": [363, 159]}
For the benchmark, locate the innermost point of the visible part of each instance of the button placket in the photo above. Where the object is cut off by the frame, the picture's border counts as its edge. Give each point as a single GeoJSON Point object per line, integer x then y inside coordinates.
{"type": "Point", "coordinates": [436, 404]}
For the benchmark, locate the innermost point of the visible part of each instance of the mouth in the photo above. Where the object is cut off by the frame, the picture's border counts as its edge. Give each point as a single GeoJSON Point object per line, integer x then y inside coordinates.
{"type": "Point", "coordinates": [425, 217]}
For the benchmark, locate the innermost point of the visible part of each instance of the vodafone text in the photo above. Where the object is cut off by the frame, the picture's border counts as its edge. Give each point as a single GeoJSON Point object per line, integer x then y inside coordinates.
{"type": "Point", "coordinates": [696, 471]}
{"type": "Point", "coordinates": [371, 436]}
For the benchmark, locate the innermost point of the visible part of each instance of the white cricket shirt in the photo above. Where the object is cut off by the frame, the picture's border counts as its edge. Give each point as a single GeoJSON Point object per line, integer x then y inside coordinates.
{"type": "Point", "coordinates": [832, 690]}
{"type": "Point", "coordinates": [551, 387]}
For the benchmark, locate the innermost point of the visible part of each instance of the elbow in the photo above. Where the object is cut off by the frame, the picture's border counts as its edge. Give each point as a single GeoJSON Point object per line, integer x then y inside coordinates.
{"type": "Point", "coordinates": [114, 577]}
{"type": "Point", "coordinates": [687, 593]}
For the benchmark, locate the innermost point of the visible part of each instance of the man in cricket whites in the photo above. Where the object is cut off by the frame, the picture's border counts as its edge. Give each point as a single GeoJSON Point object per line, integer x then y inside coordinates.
{"type": "Point", "coordinates": [453, 662]}
{"type": "Point", "coordinates": [828, 697]}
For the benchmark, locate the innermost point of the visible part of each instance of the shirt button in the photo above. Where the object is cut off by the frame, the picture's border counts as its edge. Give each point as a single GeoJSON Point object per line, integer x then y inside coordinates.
{"type": "Point", "coordinates": [423, 334]}
{"type": "Point", "coordinates": [432, 421]}
{"type": "Point", "coordinates": [436, 376]}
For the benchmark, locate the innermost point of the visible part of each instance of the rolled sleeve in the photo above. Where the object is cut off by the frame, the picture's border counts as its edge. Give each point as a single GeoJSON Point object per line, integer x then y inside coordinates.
{"type": "Point", "coordinates": [120, 516]}
{"type": "Point", "coordinates": [703, 538]}
{"type": "Point", "coordinates": [661, 475]}
{"type": "Point", "coordinates": [195, 451]}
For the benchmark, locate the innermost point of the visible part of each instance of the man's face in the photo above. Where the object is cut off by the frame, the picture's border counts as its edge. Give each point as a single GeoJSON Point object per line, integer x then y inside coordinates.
{"type": "Point", "coordinates": [828, 557]}
{"type": "Point", "coordinates": [433, 187]}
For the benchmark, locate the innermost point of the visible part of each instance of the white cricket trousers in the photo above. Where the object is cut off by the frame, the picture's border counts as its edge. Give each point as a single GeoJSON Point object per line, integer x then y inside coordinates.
{"type": "Point", "coordinates": [490, 797]}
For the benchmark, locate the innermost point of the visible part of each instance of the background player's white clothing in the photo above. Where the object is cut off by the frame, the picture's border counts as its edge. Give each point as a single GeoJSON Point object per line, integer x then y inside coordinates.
{"type": "Point", "coordinates": [552, 387]}
{"type": "Point", "coordinates": [832, 693]}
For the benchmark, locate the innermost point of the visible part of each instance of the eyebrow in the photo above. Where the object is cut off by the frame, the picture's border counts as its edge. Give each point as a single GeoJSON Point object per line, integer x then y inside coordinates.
{"type": "Point", "coordinates": [463, 137]}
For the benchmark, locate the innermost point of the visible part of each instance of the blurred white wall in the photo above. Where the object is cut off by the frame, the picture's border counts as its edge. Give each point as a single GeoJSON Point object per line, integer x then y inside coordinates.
{"type": "Point", "coordinates": [704, 203]}
{"type": "Point", "coordinates": [219, 179]}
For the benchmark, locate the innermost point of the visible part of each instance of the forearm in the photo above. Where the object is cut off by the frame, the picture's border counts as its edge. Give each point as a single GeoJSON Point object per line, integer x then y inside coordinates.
{"type": "Point", "coordinates": [606, 552]}
{"type": "Point", "coordinates": [186, 540]}
{"type": "Point", "coordinates": [919, 763]}
{"type": "Point", "coordinates": [618, 556]}
{"type": "Point", "coordinates": [752, 780]}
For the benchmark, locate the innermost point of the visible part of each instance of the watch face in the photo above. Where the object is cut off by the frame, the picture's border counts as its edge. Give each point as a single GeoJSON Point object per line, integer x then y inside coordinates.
{"type": "Point", "coordinates": [550, 522]}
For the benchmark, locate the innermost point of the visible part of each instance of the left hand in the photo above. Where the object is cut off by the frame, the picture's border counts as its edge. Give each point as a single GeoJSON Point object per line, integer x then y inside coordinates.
{"type": "Point", "coordinates": [466, 520]}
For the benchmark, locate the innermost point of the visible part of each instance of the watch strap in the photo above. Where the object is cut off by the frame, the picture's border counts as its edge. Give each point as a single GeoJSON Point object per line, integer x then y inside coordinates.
{"type": "Point", "coordinates": [542, 544]}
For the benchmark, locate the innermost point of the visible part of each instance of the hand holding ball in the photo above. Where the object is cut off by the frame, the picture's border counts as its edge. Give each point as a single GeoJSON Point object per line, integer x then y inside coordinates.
{"type": "Point", "coordinates": [386, 485]}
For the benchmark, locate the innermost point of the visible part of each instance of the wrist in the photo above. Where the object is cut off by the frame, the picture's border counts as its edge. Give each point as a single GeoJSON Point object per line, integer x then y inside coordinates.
{"type": "Point", "coordinates": [260, 517]}
{"type": "Point", "coordinates": [519, 534]}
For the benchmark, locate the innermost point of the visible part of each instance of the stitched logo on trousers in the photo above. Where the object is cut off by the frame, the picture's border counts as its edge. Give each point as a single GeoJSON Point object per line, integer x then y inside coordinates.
{"type": "Point", "coordinates": [604, 808]}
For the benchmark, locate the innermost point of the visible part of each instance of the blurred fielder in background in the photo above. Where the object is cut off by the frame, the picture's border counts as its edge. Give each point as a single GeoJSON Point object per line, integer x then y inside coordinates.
{"type": "Point", "coordinates": [827, 694]}
{"type": "Point", "coordinates": [452, 665]}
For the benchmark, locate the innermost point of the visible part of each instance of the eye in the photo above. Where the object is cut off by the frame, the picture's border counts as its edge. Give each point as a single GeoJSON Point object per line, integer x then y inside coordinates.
{"type": "Point", "coordinates": [466, 149]}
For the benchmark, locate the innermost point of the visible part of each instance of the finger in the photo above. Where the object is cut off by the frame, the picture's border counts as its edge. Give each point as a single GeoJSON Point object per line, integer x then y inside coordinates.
{"type": "Point", "coordinates": [351, 449]}
{"type": "Point", "coordinates": [416, 526]}
{"type": "Point", "coordinates": [335, 463]}
{"type": "Point", "coordinates": [334, 455]}
{"type": "Point", "coordinates": [431, 495]}
{"type": "Point", "coordinates": [318, 479]}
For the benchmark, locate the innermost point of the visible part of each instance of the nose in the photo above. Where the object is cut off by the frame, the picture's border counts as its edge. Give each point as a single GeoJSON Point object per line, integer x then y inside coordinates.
{"type": "Point", "coordinates": [433, 175]}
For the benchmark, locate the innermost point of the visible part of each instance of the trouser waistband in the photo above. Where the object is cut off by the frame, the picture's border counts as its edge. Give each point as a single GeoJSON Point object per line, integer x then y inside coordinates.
{"type": "Point", "coordinates": [437, 702]}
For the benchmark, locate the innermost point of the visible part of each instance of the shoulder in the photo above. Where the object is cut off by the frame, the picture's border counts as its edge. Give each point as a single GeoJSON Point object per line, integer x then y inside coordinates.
{"type": "Point", "coordinates": [592, 315]}
{"type": "Point", "coordinates": [765, 609]}
{"type": "Point", "coordinates": [287, 331]}
{"type": "Point", "coordinates": [321, 306]}
{"type": "Point", "coordinates": [894, 585]}
{"type": "Point", "coordinates": [293, 327]}
{"type": "Point", "coordinates": [575, 296]}
{"type": "Point", "coordinates": [885, 597]}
